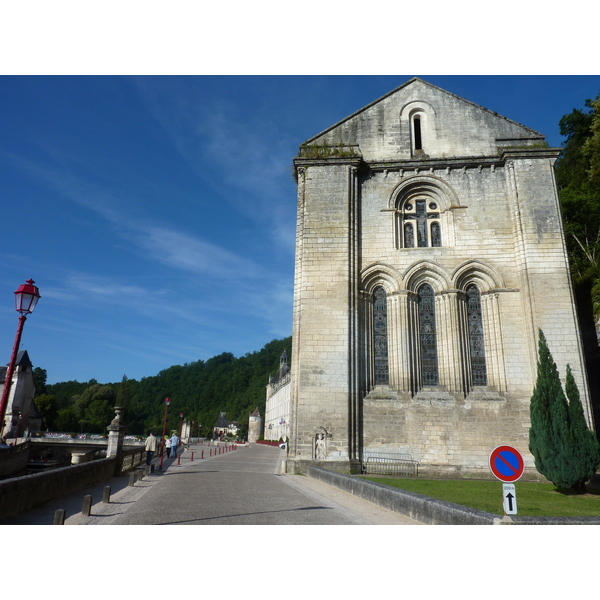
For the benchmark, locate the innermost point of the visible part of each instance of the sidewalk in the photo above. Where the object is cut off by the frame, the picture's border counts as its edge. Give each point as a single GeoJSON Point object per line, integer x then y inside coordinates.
{"type": "Point", "coordinates": [121, 496]}
{"type": "Point", "coordinates": [242, 486]}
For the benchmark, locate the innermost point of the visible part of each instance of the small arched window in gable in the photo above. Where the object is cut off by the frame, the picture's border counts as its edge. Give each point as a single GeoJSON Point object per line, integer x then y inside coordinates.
{"type": "Point", "coordinates": [418, 124]}
{"type": "Point", "coordinates": [417, 133]}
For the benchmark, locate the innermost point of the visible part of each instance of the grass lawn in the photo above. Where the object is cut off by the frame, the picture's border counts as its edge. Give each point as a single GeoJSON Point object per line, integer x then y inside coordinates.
{"type": "Point", "coordinates": [533, 499]}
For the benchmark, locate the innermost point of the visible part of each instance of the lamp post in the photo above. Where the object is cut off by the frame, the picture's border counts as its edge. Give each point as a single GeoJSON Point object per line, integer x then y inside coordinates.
{"type": "Point", "coordinates": [162, 437]}
{"type": "Point", "coordinates": [180, 425]}
{"type": "Point", "coordinates": [26, 298]}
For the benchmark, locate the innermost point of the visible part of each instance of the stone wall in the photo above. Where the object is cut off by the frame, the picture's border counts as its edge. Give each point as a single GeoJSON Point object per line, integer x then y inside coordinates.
{"type": "Point", "coordinates": [21, 493]}
{"type": "Point", "coordinates": [494, 196]}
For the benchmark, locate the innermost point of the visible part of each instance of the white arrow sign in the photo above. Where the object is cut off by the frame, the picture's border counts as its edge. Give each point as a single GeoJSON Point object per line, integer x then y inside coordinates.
{"type": "Point", "coordinates": [509, 498]}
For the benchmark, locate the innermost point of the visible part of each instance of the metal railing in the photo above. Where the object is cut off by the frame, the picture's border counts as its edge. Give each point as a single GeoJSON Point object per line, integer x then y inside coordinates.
{"type": "Point", "coordinates": [381, 463]}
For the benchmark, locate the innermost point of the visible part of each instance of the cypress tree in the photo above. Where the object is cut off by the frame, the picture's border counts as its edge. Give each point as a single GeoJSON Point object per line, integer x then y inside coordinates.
{"type": "Point", "coordinates": [549, 414]}
{"type": "Point", "coordinates": [585, 442]}
{"type": "Point", "coordinates": [559, 438]}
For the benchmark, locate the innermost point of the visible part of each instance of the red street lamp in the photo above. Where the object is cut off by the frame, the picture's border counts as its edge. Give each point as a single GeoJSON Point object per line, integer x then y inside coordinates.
{"type": "Point", "coordinates": [180, 425]}
{"type": "Point", "coordinates": [26, 298]}
{"type": "Point", "coordinates": [162, 437]}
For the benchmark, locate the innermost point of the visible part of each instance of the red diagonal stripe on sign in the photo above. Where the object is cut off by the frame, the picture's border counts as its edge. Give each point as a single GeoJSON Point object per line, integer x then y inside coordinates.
{"type": "Point", "coordinates": [506, 463]}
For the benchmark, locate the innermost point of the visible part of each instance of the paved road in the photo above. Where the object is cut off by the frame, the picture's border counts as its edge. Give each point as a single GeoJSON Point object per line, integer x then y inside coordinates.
{"type": "Point", "coordinates": [239, 487]}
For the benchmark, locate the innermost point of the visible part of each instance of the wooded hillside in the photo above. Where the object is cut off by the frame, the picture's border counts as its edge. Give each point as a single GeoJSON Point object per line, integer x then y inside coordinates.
{"type": "Point", "coordinates": [200, 390]}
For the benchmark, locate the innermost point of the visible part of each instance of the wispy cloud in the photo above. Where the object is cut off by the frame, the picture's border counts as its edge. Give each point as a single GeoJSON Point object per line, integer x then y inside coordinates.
{"type": "Point", "coordinates": [168, 245]}
{"type": "Point", "coordinates": [182, 251]}
{"type": "Point", "coordinates": [253, 158]}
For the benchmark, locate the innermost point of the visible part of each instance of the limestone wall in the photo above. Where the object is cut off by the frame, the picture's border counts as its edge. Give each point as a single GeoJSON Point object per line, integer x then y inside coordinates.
{"type": "Point", "coordinates": [494, 198]}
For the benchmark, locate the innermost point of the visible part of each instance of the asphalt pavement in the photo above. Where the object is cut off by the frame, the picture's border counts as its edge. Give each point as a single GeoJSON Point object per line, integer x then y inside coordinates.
{"type": "Point", "coordinates": [235, 487]}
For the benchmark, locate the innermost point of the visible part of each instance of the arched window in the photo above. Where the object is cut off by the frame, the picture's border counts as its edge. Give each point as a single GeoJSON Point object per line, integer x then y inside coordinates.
{"type": "Point", "coordinates": [380, 343]}
{"type": "Point", "coordinates": [475, 333]}
{"type": "Point", "coordinates": [418, 124]}
{"type": "Point", "coordinates": [421, 223]}
{"type": "Point", "coordinates": [417, 133]}
{"type": "Point", "coordinates": [427, 336]}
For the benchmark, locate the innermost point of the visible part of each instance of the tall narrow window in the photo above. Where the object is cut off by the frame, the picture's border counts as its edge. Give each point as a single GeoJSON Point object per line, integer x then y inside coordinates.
{"type": "Point", "coordinates": [476, 344]}
{"type": "Point", "coordinates": [417, 129]}
{"type": "Point", "coordinates": [436, 235]}
{"type": "Point", "coordinates": [409, 236]}
{"type": "Point", "coordinates": [380, 337]}
{"type": "Point", "coordinates": [427, 336]}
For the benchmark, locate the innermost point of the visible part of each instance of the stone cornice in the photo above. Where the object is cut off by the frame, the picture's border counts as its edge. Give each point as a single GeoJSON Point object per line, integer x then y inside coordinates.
{"type": "Point", "coordinates": [333, 160]}
{"type": "Point", "coordinates": [422, 166]}
{"type": "Point", "coordinates": [517, 153]}
{"type": "Point", "coordinates": [436, 164]}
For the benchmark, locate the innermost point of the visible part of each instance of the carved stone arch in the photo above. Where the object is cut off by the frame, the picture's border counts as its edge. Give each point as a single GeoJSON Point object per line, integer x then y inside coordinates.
{"type": "Point", "coordinates": [381, 274]}
{"type": "Point", "coordinates": [483, 366]}
{"type": "Point", "coordinates": [425, 185]}
{"type": "Point", "coordinates": [414, 106]}
{"type": "Point", "coordinates": [378, 317]}
{"type": "Point", "coordinates": [427, 199]}
{"type": "Point", "coordinates": [427, 272]}
{"type": "Point", "coordinates": [425, 139]}
{"type": "Point", "coordinates": [477, 272]}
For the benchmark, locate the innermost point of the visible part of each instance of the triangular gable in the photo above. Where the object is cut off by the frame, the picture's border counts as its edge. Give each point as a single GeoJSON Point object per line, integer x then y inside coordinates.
{"type": "Point", "coordinates": [456, 126]}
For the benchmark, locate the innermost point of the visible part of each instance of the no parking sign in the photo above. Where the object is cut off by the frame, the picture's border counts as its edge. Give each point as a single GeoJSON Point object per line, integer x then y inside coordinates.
{"type": "Point", "coordinates": [506, 464]}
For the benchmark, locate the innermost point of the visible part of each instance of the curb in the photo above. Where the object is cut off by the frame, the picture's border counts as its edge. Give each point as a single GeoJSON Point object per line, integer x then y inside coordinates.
{"type": "Point", "coordinates": [431, 511]}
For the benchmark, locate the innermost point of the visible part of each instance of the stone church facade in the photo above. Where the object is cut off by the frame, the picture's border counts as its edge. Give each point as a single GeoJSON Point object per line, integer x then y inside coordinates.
{"type": "Point", "coordinates": [430, 251]}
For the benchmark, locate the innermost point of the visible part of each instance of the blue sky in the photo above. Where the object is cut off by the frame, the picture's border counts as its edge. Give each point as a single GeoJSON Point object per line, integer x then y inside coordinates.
{"type": "Point", "coordinates": [157, 214]}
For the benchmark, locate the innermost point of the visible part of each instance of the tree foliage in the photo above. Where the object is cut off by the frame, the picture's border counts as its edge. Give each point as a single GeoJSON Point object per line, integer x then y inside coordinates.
{"type": "Point", "coordinates": [578, 179]}
{"type": "Point", "coordinates": [566, 452]}
{"type": "Point", "coordinates": [48, 407]}
{"type": "Point", "coordinates": [585, 444]}
{"type": "Point", "coordinates": [39, 380]}
{"type": "Point", "coordinates": [200, 390]}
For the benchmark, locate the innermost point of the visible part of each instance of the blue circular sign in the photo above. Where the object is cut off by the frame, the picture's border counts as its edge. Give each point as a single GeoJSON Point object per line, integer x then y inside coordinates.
{"type": "Point", "coordinates": [506, 463]}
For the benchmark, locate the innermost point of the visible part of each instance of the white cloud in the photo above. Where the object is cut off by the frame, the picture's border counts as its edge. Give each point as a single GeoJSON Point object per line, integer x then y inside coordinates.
{"type": "Point", "coordinates": [167, 245]}
{"type": "Point", "coordinates": [187, 253]}
{"type": "Point", "coordinates": [252, 158]}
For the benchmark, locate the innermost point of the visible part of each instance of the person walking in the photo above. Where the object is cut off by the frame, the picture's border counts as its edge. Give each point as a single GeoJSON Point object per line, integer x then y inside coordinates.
{"type": "Point", "coordinates": [174, 445]}
{"type": "Point", "coordinates": [151, 443]}
{"type": "Point", "coordinates": [168, 447]}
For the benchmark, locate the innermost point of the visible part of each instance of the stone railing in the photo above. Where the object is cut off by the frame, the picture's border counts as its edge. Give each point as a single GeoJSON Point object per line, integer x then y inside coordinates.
{"type": "Point", "coordinates": [131, 458]}
{"type": "Point", "coordinates": [14, 459]}
{"type": "Point", "coordinates": [22, 493]}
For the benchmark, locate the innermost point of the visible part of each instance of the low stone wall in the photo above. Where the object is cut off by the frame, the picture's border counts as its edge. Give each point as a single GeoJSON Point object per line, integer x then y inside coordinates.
{"type": "Point", "coordinates": [21, 493]}
{"type": "Point", "coordinates": [14, 459]}
{"type": "Point", "coordinates": [430, 510]}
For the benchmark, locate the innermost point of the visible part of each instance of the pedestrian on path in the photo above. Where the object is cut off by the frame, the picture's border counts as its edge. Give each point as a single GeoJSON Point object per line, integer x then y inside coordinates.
{"type": "Point", "coordinates": [168, 447]}
{"type": "Point", "coordinates": [174, 445]}
{"type": "Point", "coordinates": [150, 447]}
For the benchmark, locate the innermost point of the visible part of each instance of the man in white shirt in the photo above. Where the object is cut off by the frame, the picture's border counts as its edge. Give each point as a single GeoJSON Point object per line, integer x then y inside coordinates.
{"type": "Point", "coordinates": [150, 447]}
